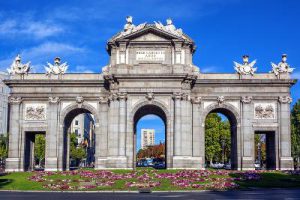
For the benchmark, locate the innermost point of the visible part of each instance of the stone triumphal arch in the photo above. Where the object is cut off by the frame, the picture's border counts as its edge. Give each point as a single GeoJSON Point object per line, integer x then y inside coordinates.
{"type": "Point", "coordinates": [150, 71]}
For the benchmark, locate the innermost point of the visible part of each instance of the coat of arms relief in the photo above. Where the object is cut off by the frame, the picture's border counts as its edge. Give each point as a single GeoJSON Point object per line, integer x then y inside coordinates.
{"type": "Point", "coordinates": [35, 112]}
{"type": "Point", "coordinates": [264, 111]}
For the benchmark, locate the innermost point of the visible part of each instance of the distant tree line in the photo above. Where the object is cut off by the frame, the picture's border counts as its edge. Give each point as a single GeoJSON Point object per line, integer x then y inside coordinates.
{"type": "Point", "coordinates": [155, 151]}
{"type": "Point", "coordinates": [295, 133]}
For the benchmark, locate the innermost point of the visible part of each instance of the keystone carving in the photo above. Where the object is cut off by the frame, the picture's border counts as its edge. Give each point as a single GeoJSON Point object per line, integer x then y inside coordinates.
{"type": "Point", "coordinates": [150, 96]}
{"type": "Point", "coordinates": [220, 99]}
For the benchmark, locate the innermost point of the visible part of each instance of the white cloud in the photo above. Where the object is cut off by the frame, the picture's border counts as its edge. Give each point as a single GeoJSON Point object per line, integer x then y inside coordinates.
{"type": "Point", "coordinates": [150, 117]}
{"type": "Point", "coordinates": [296, 75]}
{"type": "Point", "coordinates": [29, 28]}
{"type": "Point", "coordinates": [208, 69]}
{"type": "Point", "coordinates": [40, 55]}
{"type": "Point", "coordinates": [82, 69]}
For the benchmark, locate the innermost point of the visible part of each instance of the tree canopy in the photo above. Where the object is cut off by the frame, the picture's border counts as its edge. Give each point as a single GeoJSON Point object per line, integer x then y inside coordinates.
{"type": "Point", "coordinates": [295, 133]}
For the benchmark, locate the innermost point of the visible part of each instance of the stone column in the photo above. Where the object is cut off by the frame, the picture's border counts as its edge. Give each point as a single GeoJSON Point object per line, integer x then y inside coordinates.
{"type": "Point", "coordinates": [122, 123]}
{"type": "Point", "coordinates": [177, 121]}
{"type": "Point", "coordinates": [286, 161]}
{"type": "Point", "coordinates": [51, 160]}
{"type": "Point", "coordinates": [101, 134]}
{"type": "Point", "coordinates": [113, 129]}
{"type": "Point", "coordinates": [15, 140]}
{"type": "Point", "coordinates": [198, 135]}
{"type": "Point", "coordinates": [247, 134]}
{"type": "Point", "coordinates": [186, 126]}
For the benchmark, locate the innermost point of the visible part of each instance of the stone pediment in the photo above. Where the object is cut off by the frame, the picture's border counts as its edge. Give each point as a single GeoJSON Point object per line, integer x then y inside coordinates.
{"type": "Point", "coordinates": [149, 33]}
{"type": "Point", "coordinates": [150, 37]}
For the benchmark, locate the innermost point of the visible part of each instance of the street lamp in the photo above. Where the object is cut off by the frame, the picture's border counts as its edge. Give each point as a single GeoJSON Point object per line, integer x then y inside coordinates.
{"type": "Point", "coordinates": [259, 153]}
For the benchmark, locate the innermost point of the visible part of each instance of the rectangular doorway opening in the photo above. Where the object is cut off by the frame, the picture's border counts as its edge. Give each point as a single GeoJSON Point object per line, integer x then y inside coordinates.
{"type": "Point", "coordinates": [265, 151]}
{"type": "Point", "coordinates": [34, 152]}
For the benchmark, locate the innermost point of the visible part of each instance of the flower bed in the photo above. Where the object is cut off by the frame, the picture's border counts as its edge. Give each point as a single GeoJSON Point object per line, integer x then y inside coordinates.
{"type": "Point", "coordinates": [155, 179]}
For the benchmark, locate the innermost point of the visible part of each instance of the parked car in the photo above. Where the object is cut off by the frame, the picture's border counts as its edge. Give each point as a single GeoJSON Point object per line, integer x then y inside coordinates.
{"type": "Point", "coordinates": [217, 165]}
{"type": "Point", "coordinates": [159, 165]}
{"type": "Point", "coordinates": [227, 166]}
{"type": "Point", "coordinates": [257, 166]}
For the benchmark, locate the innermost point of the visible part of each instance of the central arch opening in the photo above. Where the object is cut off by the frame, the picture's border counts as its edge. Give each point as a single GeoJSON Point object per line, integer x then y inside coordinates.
{"type": "Point", "coordinates": [221, 139]}
{"type": "Point", "coordinates": [150, 137]}
{"type": "Point", "coordinates": [79, 139]}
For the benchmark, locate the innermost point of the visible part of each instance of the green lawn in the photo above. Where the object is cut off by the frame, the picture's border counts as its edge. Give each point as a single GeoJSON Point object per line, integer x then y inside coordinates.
{"type": "Point", "coordinates": [162, 180]}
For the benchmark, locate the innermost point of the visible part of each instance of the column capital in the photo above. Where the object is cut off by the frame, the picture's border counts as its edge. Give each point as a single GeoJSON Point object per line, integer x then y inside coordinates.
{"type": "Point", "coordinates": [113, 96]}
{"type": "Point", "coordinates": [53, 100]}
{"type": "Point", "coordinates": [15, 100]}
{"type": "Point", "coordinates": [186, 96]}
{"type": "Point", "coordinates": [103, 100]}
{"type": "Point", "coordinates": [246, 99]}
{"type": "Point", "coordinates": [177, 96]}
{"type": "Point", "coordinates": [122, 96]}
{"type": "Point", "coordinates": [196, 100]}
{"type": "Point", "coordinates": [285, 99]}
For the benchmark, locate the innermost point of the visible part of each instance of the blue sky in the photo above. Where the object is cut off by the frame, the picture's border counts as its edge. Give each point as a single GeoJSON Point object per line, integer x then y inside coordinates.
{"type": "Point", "coordinates": [151, 122]}
{"type": "Point", "coordinates": [77, 31]}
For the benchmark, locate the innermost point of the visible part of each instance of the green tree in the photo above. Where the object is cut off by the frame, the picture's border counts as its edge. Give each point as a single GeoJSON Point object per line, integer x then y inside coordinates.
{"type": "Point", "coordinates": [77, 152]}
{"type": "Point", "coordinates": [295, 135]}
{"type": "Point", "coordinates": [217, 137]}
{"type": "Point", "coordinates": [212, 135]}
{"type": "Point", "coordinates": [39, 148]}
{"type": "Point", "coordinates": [3, 147]}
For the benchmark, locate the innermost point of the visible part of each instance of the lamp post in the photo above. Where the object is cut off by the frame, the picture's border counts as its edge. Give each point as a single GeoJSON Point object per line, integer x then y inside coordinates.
{"type": "Point", "coordinates": [259, 153]}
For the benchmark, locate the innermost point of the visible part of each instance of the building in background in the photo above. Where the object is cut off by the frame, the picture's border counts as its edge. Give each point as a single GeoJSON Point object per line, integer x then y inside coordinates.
{"type": "Point", "coordinates": [82, 125]}
{"type": "Point", "coordinates": [147, 138]}
{"type": "Point", "coordinates": [4, 92]}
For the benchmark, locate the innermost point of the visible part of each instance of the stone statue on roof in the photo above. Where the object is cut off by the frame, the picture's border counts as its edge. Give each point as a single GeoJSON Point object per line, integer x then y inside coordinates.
{"type": "Point", "coordinates": [18, 68]}
{"type": "Point", "coordinates": [282, 67]}
{"type": "Point", "coordinates": [57, 68]}
{"type": "Point", "coordinates": [246, 68]}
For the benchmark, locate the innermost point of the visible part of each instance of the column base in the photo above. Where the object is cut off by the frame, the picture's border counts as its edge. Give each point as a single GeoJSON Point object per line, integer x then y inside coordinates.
{"type": "Point", "coordinates": [247, 163]}
{"type": "Point", "coordinates": [113, 162]}
{"type": "Point", "coordinates": [51, 164]}
{"type": "Point", "coordinates": [188, 162]}
{"type": "Point", "coordinates": [13, 165]}
{"type": "Point", "coordinates": [286, 163]}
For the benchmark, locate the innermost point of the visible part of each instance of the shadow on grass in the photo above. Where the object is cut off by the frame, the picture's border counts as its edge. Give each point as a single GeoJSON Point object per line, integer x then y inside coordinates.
{"type": "Point", "coordinates": [269, 180]}
{"type": "Point", "coordinates": [4, 182]}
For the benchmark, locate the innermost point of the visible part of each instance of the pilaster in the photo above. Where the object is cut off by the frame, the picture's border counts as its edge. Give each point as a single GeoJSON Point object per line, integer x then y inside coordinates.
{"type": "Point", "coordinates": [13, 162]}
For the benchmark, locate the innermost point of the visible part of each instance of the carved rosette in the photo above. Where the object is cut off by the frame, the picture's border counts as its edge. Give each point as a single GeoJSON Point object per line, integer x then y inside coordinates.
{"type": "Point", "coordinates": [196, 100]}
{"type": "Point", "coordinates": [220, 100]}
{"type": "Point", "coordinates": [149, 96]}
{"type": "Point", "coordinates": [246, 99]}
{"type": "Point", "coordinates": [103, 100]}
{"type": "Point", "coordinates": [53, 100]}
{"type": "Point", "coordinates": [285, 99]}
{"type": "Point", "coordinates": [14, 100]}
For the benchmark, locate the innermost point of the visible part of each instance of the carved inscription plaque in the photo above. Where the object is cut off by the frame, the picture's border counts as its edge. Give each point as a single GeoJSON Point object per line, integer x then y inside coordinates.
{"type": "Point", "coordinates": [150, 55]}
